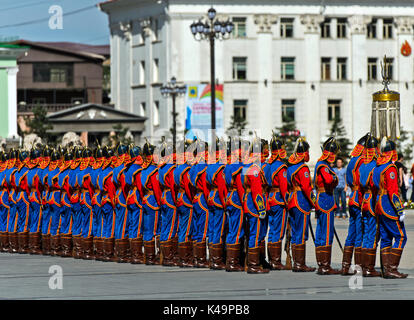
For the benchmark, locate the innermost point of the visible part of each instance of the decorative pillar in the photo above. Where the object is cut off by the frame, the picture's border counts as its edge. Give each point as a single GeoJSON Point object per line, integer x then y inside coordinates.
{"type": "Point", "coordinates": [403, 62]}
{"type": "Point", "coordinates": [312, 103]}
{"type": "Point", "coordinates": [12, 104]}
{"type": "Point", "coordinates": [361, 98]}
{"type": "Point", "coordinates": [264, 70]}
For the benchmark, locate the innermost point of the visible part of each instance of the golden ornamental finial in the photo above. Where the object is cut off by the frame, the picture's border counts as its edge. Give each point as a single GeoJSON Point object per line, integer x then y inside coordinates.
{"type": "Point", "coordinates": [385, 73]}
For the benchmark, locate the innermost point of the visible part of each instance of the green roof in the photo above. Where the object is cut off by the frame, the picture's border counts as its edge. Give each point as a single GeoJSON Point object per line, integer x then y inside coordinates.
{"type": "Point", "coordinates": [12, 46]}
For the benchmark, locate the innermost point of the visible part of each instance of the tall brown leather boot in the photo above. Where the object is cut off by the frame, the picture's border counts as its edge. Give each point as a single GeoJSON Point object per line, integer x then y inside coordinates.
{"type": "Point", "coordinates": [263, 260]}
{"type": "Point", "coordinates": [369, 256]}
{"type": "Point", "coordinates": [185, 250]}
{"type": "Point", "coordinates": [4, 241]}
{"type": "Point", "coordinates": [393, 260]}
{"type": "Point", "coordinates": [149, 251]}
{"type": "Point", "coordinates": [46, 244]}
{"type": "Point", "coordinates": [253, 261]}
{"type": "Point", "coordinates": [54, 245]}
{"type": "Point", "coordinates": [233, 258]}
{"type": "Point", "coordinates": [66, 245]}
{"type": "Point", "coordinates": [216, 252]}
{"type": "Point", "coordinates": [201, 254]}
{"type": "Point", "coordinates": [358, 257]}
{"type": "Point", "coordinates": [23, 240]}
{"type": "Point", "coordinates": [121, 250]}
{"type": "Point", "coordinates": [195, 253]}
{"type": "Point", "coordinates": [13, 242]}
{"type": "Point", "coordinates": [326, 269]}
{"type": "Point", "coordinates": [274, 251]}
{"type": "Point", "coordinates": [77, 247]}
{"type": "Point", "coordinates": [346, 261]}
{"type": "Point", "coordinates": [99, 244]}
{"type": "Point", "coordinates": [174, 249]}
{"type": "Point", "coordinates": [137, 256]}
{"type": "Point", "coordinates": [300, 255]}
{"type": "Point", "coordinates": [157, 250]}
{"type": "Point", "coordinates": [318, 259]}
{"type": "Point", "coordinates": [87, 248]}
{"type": "Point", "coordinates": [166, 253]}
{"type": "Point", "coordinates": [108, 250]}
{"type": "Point", "coordinates": [35, 243]}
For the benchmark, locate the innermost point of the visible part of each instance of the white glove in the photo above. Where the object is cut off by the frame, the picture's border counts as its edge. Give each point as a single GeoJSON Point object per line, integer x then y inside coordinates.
{"type": "Point", "coordinates": [402, 217]}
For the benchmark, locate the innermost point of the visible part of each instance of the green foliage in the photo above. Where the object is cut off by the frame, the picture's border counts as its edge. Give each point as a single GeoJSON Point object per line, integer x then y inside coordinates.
{"type": "Point", "coordinates": [289, 134]}
{"type": "Point", "coordinates": [405, 145]}
{"type": "Point", "coordinates": [39, 123]}
{"type": "Point", "coordinates": [237, 125]}
{"type": "Point", "coordinates": [338, 129]}
{"type": "Point", "coordinates": [120, 136]}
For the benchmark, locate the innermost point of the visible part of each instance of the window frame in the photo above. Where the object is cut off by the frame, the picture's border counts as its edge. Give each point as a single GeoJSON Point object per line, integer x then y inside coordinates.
{"type": "Point", "coordinates": [326, 28]}
{"type": "Point", "coordinates": [284, 105]}
{"type": "Point", "coordinates": [283, 29]}
{"type": "Point", "coordinates": [284, 64]}
{"type": "Point", "coordinates": [334, 107]}
{"type": "Point", "coordinates": [341, 28]}
{"type": "Point", "coordinates": [240, 104]}
{"type": "Point", "coordinates": [370, 65]}
{"type": "Point", "coordinates": [235, 66]}
{"type": "Point", "coordinates": [339, 70]}
{"type": "Point", "coordinates": [235, 32]}
{"type": "Point", "coordinates": [324, 72]}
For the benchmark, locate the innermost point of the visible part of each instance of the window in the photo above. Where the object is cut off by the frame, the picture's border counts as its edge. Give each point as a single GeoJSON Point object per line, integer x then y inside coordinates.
{"type": "Point", "coordinates": [142, 72]}
{"type": "Point", "coordinates": [240, 110]}
{"type": "Point", "coordinates": [372, 29]}
{"type": "Point", "coordinates": [390, 62]}
{"type": "Point", "coordinates": [341, 68]}
{"type": "Point", "coordinates": [39, 100]}
{"type": "Point", "coordinates": [341, 28]}
{"type": "Point", "coordinates": [387, 29]}
{"type": "Point", "coordinates": [156, 120]}
{"type": "Point", "coordinates": [286, 27]}
{"type": "Point", "coordinates": [288, 68]}
{"type": "Point", "coordinates": [326, 69]}
{"type": "Point", "coordinates": [288, 110]}
{"type": "Point", "coordinates": [155, 69]}
{"type": "Point", "coordinates": [326, 28]}
{"type": "Point", "coordinates": [53, 72]}
{"type": "Point", "coordinates": [142, 109]}
{"type": "Point", "coordinates": [372, 69]}
{"type": "Point", "coordinates": [239, 68]}
{"type": "Point", "coordinates": [334, 109]}
{"type": "Point", "coordinates": [239, 30]}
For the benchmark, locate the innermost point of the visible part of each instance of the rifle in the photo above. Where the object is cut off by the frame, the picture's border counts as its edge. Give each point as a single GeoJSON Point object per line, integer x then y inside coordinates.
{"type": "Point", "coordinates": [287, 245]}
{"type": "Point", "coordinates": [311, 230]}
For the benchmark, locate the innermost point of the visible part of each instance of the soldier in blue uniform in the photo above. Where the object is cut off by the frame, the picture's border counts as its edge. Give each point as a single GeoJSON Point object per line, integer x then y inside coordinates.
{"type": "Point", "coordinates": [46, 218]}
{"type": "Point", "coordinates": [151, 204]}
{"type": "Point", "coordinates": [135, 195]}
{"type": "Point", "coordinates": [76, 209]}
{"type": "Point", "coordinates": [370, 219]}
{"type": "Point", "coordinates": [325, 180]}
{"type": "Point", "coordinates": [53, 199]}
{"type": "Point", "coordinates": [34, 183]}
{"type": "Point", "coordinates": [300, 202]}
{"type": "Point", "coordinates": [108, 191]}
{"type": "Point", "coordinates": [168, 210]}
{"type": "Point", "coordinates": [390, 210]}
{"type": "Point", "coordinates": [121, 210]}
{"type": "Point", "coordinates": [4, 203]}
{"type": "Point", "coordinates": [217, 204]}
{"type": "Point", "coordinates": [201, 215]}
{"type": "Point", "coordinates": [12, 219]}
{"type": "Point", "coordinates": [96, 170]}
{"type": "Point", "coordinates": [65, 224]}
{"type": "Point", "coordinates": [276, 175]}
{"type": "Point", "coordinates": [354, 238]}
{"type": "Point", "coordinates": [234, 201]}
{"type": "Point", "coordinates": [184, 205]}
{"type": "Point", "coordinates": [254, 206]}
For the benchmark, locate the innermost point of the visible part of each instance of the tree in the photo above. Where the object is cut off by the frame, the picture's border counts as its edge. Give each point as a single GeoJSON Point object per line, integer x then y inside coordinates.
{"type": "Point", "coordinates": [289, 134]}
{"type": "Point", "coordinates": [237, 125]}
{"type": "Point", "coordinates": [338, 130]}
{"type": "Point", "coordinates": [39, 123]}
{"type": "Point", "coordinates": [121, 135]}
{"type": "Point", "coordinates": [405, 145]}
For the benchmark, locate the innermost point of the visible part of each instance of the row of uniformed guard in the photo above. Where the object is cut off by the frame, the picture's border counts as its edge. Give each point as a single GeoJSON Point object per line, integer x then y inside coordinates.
{"type": "Point", "coordinates": [110, 204]}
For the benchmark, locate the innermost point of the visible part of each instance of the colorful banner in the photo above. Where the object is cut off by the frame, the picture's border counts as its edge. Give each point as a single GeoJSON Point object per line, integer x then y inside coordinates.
{"type": "Point", "coordinates": [198, 108]}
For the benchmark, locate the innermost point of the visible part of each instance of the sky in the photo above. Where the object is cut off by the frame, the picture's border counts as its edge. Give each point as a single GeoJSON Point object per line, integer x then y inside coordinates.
{"type": "Point", "coordinates": [30, 20]}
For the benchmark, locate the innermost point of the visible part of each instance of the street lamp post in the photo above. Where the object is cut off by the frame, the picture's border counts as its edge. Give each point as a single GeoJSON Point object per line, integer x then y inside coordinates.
{"type": "Point", "coordinates": [210, 30]}
{"type": "Point", "coordinates": [171, 89]}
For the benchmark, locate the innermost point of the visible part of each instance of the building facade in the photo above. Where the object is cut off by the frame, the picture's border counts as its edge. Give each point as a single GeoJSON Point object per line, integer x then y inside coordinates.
{"type": "Point", "coordinates": [307, 61]}
{"type": "Point", "coordinates": [9, 53]}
